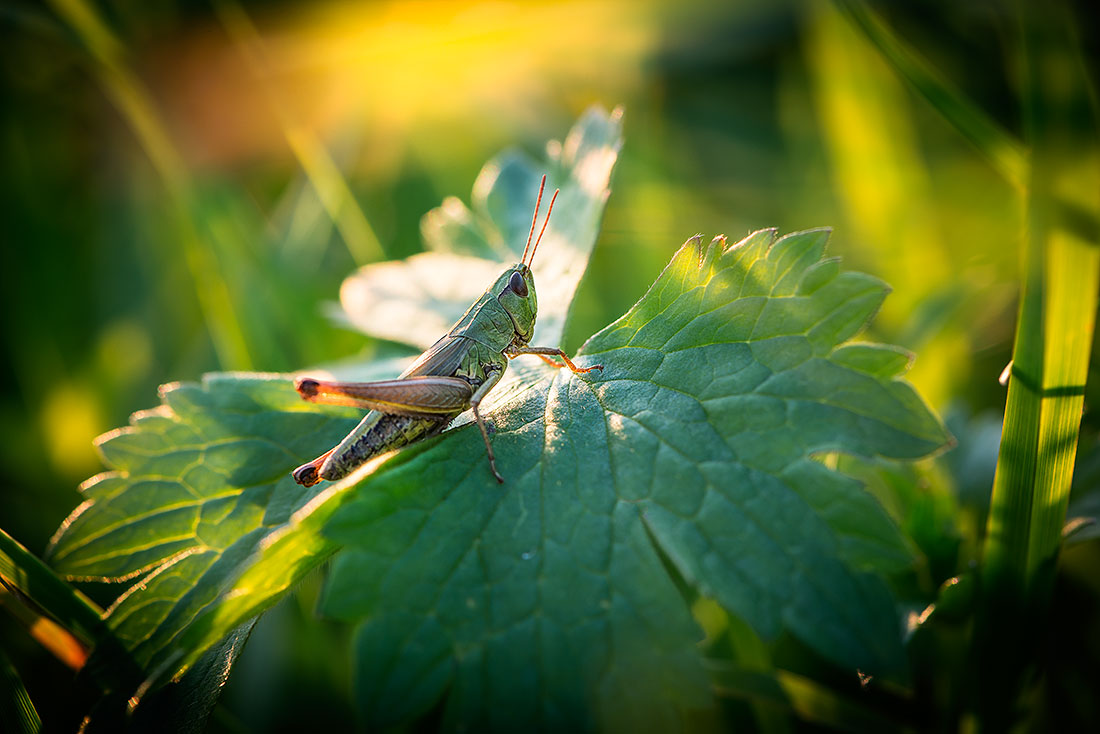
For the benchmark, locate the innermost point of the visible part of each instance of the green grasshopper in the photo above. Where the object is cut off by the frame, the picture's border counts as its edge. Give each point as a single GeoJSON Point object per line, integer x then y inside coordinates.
{"type": "Point", "coordinates": [454, 375]}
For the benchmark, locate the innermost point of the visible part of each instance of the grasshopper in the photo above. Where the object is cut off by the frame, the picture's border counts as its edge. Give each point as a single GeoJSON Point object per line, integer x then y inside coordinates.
{"type": "Point", "coordinates": [454, 375]}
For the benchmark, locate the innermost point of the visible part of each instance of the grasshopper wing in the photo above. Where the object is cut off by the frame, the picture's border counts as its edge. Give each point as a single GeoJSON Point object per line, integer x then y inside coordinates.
{"type": "Point", "coordinates": [445, 357]}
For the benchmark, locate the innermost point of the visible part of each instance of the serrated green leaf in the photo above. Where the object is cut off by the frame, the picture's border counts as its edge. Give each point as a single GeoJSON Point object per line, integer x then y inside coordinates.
{"type": "Point", "coordinates": [199, 505]}
{"type": "Point", "coordinates": [695, 443]}
{"type": "Point", "coordinates": [196, 487]}
{"type": "Point", "coordinates": [548, 599]}
{"type": "Point", "coordinates": [697, 439]}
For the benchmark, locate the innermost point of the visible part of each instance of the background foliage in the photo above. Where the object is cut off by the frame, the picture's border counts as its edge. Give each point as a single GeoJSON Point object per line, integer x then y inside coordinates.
{"type": "Point", "coordinates": [186, 183]}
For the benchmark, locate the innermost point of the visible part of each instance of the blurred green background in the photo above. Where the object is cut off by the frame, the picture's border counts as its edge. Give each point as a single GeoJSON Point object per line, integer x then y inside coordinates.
{"type": "Point", "coordinates": [187, 183]}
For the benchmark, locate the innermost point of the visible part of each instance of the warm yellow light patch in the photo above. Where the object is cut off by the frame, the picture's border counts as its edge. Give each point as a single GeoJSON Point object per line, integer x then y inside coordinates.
{"type": "Point", "coordinates": [376, 73]}
{"type": "Point", "coordinates": [70, 420]}
{"type": "Point", "coordinates": [125, 350]}
{"type": "Point", "coordinates": [711, 617]}
{"type": "Point", "coordinates": [64, 646]}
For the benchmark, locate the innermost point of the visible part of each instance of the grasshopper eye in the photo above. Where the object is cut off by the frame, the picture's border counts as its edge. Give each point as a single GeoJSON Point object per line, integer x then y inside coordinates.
{"type": "Point", "coordinates": [518, 285]}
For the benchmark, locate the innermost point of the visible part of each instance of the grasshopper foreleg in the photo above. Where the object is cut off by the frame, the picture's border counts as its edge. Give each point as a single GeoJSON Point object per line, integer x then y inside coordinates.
{"type": "Point", "coordinates": [544, 353]}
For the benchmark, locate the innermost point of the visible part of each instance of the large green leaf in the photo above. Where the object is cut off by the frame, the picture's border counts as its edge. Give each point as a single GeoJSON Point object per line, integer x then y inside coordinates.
{"type": "Point", "coordinates": [556, 597]}
{"type": "Point", "coordinates": [547, 598]}
{"type": "Point", "coordinates": [195, 488]}
{"type": "Point", "coordinates": [198, 506]}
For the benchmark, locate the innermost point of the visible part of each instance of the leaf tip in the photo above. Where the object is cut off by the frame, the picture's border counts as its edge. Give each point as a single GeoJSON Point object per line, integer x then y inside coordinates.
{"type": "Point", "coordinates": [695, 242]}
{"type": "Point", "coordinates": [710, 253]}
{"type": "Point", "coordinates": [110, 435]}
{"type": "Point", "coordinates": [94, 480]}
{"type": "Point", "coordinates": [765, 237]}
{"type": "Point", "coordinates": [50, 553]}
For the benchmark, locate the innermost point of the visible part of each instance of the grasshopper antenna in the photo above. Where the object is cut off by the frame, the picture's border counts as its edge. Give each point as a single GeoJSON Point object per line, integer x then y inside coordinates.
{"type": "Point", "coordinates": [544, 223]}
{"type": "Point", "coordinates": [534, 218]}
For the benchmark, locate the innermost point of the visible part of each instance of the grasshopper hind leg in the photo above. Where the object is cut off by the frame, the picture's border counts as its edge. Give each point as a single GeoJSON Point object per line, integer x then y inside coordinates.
{"type": "Point", "coordinates": [404, 410]}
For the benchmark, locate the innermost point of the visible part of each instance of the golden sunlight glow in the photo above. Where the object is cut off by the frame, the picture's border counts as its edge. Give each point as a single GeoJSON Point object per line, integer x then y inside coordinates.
{"type": "Point", "coordinates": [378, 70]}
{"type": "Point", "coordinates": [70, 420]}
{"type": "Point", "coordinates": [64, 646]}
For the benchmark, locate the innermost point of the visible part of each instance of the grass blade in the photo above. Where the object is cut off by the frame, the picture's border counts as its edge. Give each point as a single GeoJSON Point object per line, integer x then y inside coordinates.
{"type": "Point", "coordinates": [28, 577]}
{"type": "Point", "coordinates": [133, 101]}
{"type": "Point", "coordinates": [1051, 355]}
{"type": "Point", "coordinates": [1007, 155]}
{"type": "Point", "coordinates": [17, 713]}
{"type": "Point", "coordinates": [321, 170]}
{"type": "Point", "coordinates": [1003, 151]}
{"type": "Point", "coordinates": [1050, 365]}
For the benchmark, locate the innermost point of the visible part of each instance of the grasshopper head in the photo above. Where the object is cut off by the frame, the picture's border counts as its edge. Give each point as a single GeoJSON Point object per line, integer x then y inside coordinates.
{"type": "Point", "coordinates": [515, 291]}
